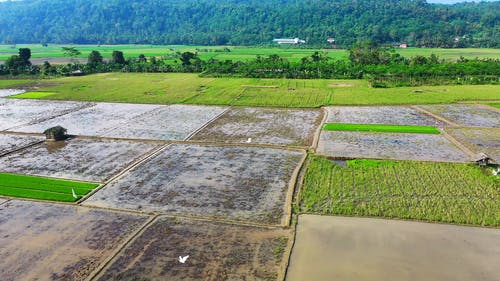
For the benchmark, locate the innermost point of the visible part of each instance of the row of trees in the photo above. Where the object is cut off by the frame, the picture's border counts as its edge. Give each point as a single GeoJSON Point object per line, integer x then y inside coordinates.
{"type": "Point", "coordinates": [382, 66]}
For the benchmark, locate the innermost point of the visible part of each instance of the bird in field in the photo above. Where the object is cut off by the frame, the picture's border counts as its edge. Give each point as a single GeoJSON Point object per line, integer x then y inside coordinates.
{"type": "Point", "coordinates": [74, 193]}
{"type": "Point", "coordinates": [183, 259]}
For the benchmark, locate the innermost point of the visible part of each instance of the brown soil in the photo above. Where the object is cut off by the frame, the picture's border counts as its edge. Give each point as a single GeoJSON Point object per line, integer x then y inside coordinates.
{"type": "Point", "coordinates": [340, 85]}
{"type": "Point", "coordinates": [234, 183]}
{"type": "Point", "coordinates": [217, 251]}
{"type": "Point", "coordinates": [42, 241]}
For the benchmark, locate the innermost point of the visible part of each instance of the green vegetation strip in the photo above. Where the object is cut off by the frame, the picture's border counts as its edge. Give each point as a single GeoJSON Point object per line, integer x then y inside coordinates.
{"type": "Point", "coordinates": [439, 192]}
{"type": "Point", "coordinates": [188, 88]}
{"type": "Point", "coordinates": [33, 95]}
{"type": "Point", "coordinates": [381, 128]}
{"type": "Point", "coordinates": [497, 105]}
{"type": "Point", "coordinates": [43, 188]}
{"type": "Point", "coordinates": [236, 53]}
{"type": "Point", "coordinates": [13, 83]}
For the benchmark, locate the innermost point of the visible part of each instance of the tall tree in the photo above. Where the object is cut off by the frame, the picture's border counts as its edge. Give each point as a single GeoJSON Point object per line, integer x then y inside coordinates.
{"type": "Point", "coordinates": [186, 58]}
{"type": "Point", "coordinates": [95, 58]}
{"type": "Point", "coordinates": [117, 57]}
{"type": "Point", "coordinates": [25, 55]}
{"type": "Point", "coordinates": [71, 52]}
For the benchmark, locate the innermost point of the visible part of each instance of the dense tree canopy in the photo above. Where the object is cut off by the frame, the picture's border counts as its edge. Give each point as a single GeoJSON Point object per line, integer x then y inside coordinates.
{"type": "Point", "coordinates": [250, 22]}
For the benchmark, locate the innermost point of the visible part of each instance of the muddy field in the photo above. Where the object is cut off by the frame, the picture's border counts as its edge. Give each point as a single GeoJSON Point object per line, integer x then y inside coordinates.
{"type": "Point", "coordinates": [135, 121]}
{"type": "Point", "coordinates": [479, 140]}
{"type": "Point", "coordinates": [263, 125]}
{"type": "Point", "coordinates": [467, 114]}
{"type": "Point", "coordinates": [394, 115]}
{"type": "Point", "coordinates": [238, 183]}
{"type": "Point", "coordinates": [217, 251]}
{"type": "Point", "coordinates": [395, 146]}
{"type": "Point", "coordinates": [10, 92]}
{"type": "Point", "coordinates": [42, 241]}
{"type": "Point", "coordinates": [173, 122]}
{"type": "Point", "coordinates": [78, 159]}
{"type": "Point", "coordinates": [15, 112]}
{"type": "Point", "coordinates": [337, 248]}
{"type": "Point", "coordinates": [10, 142]}
{"type": "Point", "coordinates": [92, 121]}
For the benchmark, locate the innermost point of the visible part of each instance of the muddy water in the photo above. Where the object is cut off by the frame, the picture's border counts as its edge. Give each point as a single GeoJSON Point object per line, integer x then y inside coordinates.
{"type": "Point", "coordinates": [10, 92]}
{"type": "Point", "coordinates": [40, 241]}
{"type": "Point", "coordinates": [55, 146]}
{"type": "Point", "coordinates": [397, 115]}
{"type": "Point", "coordinates": [467, 115]}
{"type": "Point", "coordinates": [10, 142]}
{"type": "Point", "coordinates": [337, 248]}
{"type": "Point", "coordinates": [264, 126]}
{"type": "Point", "coordinates": [396, 146]}
{"type": "Point", "coordinates": [485, 140]}
{"type": "Point", "coordinates": [79, 159]}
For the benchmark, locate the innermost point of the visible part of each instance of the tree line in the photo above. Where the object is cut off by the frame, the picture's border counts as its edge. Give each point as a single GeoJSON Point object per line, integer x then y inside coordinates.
{"type": "Point", "coordinates": [382, 66]}
{"type": "Point", "coordinates": [250, 22]}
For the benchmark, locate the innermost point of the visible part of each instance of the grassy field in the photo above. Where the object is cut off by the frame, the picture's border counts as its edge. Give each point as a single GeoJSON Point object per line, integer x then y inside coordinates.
{"type": "Point", "coordinates": [497, 104]}
{"type": "Point", "coordinates": [12, 83]}
{"type": "Point", "coordinates": [184, 88]}
{"type": "Point", "coordinates": [235, 53]}
{"type": "Point", "coordinates": [381, 128]}
{"type": "Point", "coordinates": [42, 188]}
{"type": "Point", "coordinates": [441, 192]}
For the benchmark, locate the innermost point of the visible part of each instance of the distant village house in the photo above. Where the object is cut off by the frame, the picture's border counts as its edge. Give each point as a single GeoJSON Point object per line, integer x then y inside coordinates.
{"type": "Point", "coordinates": [289, 41]}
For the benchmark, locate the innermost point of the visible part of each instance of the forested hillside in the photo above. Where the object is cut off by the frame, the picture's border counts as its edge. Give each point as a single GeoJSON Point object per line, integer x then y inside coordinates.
{"type": "Point", "coordinates": [250, 22]}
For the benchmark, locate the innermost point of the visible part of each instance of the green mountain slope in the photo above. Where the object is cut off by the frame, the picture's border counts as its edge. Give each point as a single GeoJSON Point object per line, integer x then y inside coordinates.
{"type": "Point", "coordinates": [250, 22]}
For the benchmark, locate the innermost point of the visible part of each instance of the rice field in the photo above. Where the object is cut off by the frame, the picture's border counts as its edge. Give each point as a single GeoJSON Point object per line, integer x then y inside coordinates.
{"type": "Point", "coordinates": [23, 186]}
{"type": "Point", "coordinates": [187, 88]}
{"type": "Point", "coordinates": [381, 128]}
{"type": "Point", "coordinates": [439, 192]}
{"type": "Point", "coordinates": [235, 53]}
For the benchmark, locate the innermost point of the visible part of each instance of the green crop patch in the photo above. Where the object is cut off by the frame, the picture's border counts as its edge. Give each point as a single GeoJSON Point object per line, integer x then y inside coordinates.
{"type": "Point", "coordinates": [13, 83]}
{"type": "Point", "coordinates": [496, 104]}
{"type": "Point", "coordinates": [370, 163]}
{"type": "Point", "coordinates": [440, 192]}
{"type": "Point", "coordinates": [381, 128]}
{"type": "Point", "coordinates": [190, 88]}
{"type": "Point", "coordinates": [33, 95]}
{"type": "Point", "coordinates": [43, 188]}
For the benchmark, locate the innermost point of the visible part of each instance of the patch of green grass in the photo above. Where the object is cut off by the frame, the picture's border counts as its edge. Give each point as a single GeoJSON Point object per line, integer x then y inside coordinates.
{"type": "Point", "coordinates": [33, 95]}
{"type": "Point", "coordinates": [13, 83]}
{"type": "Point", "coordinates": [187, 88]}
{"type": "Point", "coordinates": [279, 248]}
{"type": "Point", "coordinates": [369, 163]}
{"type": "Point", "coordinates": [237, 53]}
{"type": "Point", "coordinates": [381, 128]}
{"type": "Point", "coordinates": [497, 104]}
{"type": "Point", "coordinates": [440, 192]}
{"type": "Point", "coordinates": [43, 188]}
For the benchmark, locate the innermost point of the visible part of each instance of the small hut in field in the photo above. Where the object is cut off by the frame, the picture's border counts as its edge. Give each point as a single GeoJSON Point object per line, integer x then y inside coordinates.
{"type": "Point", "coordinates": [56, 133]}
{"type": "Point", "coordinates": [482, 159]}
